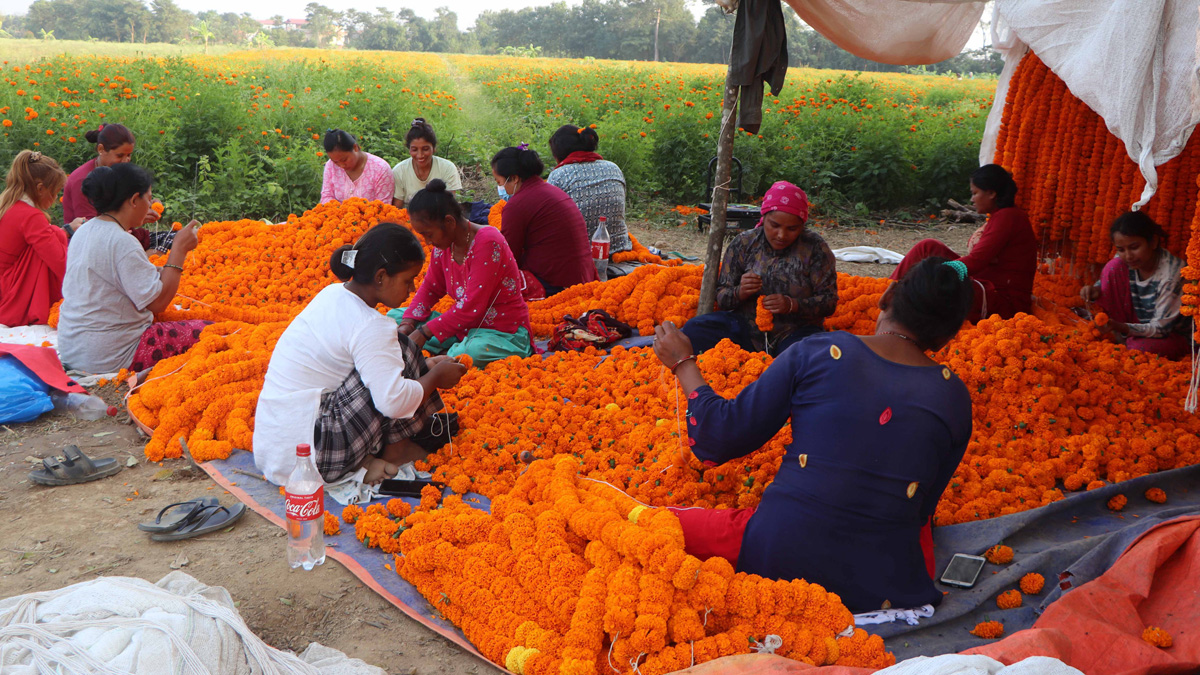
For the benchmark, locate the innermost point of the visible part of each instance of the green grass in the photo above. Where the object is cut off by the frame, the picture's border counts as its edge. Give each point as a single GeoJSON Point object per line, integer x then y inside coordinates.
{"type": "Point", "coordinates": [18, 52]}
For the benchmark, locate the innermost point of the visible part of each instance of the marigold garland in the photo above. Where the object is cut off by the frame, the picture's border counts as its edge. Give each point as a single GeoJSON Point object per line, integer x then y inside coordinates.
{"type": "Point", "coordinates": [763, 317]}
{"type": "Point", "coordinates": [1032, 583]}
{"type": "Point", "coordinates": [1157, 637]}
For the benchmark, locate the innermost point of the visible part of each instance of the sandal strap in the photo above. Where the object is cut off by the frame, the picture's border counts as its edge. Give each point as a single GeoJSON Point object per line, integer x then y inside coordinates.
{"type": "Point", "coordinates": [73, 456]}
{"type": "Point", "coordinates": [191, 512]}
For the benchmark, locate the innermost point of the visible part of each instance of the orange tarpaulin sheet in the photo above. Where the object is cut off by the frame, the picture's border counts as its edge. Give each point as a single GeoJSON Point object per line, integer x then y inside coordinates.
{"type": "Point", "coordinates": [1096, 627]}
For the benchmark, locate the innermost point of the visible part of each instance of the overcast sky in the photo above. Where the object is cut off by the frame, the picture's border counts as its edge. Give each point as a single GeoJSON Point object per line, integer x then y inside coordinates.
{"type": "Point", "coordinates": [467, 10]}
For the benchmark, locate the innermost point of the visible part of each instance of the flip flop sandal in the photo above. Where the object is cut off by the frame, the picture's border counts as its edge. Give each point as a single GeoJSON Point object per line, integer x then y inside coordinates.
{"type": "Point", "coordinates": [212, 518]}
{"type": "Point", "coordinates": [75, 467]}
{"type": "Point", "coordinates": [184, 513]}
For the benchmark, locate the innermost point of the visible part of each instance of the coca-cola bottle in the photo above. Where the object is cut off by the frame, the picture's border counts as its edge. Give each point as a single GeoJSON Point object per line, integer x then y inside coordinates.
{"type": "Point", "coordinates": [600, 248]}
{"type": "Point", "coordinates": [305, 492]}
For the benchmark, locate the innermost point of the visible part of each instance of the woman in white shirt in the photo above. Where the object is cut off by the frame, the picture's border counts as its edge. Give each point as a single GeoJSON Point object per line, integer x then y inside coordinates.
{"type": "Point", "coordinates": [344, 380]}
{"type": "Point", "coordinates": [422, 165]}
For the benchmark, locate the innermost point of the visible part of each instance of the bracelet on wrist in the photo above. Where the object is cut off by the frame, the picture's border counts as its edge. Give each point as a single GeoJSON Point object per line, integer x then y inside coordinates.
{"type": "Point", "coordinates": [680, 362]}
{"type": "Point", "coordinates": [174, 267]}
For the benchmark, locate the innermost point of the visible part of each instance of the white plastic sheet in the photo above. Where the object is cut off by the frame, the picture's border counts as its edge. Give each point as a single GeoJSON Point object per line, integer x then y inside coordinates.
{"type": "Point", "coordinates": [904, 32]}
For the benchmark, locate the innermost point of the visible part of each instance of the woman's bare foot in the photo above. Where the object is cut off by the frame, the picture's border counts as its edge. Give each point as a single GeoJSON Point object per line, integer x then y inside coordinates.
{"type": "Point", "coordinates": [378, 469]}
{"type": "Point", "coordinates": [404, 452]}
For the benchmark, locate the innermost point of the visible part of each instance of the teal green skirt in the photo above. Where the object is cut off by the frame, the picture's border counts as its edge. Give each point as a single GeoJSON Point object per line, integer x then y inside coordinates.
{"type": "Point", "coordinates": [483, 345]}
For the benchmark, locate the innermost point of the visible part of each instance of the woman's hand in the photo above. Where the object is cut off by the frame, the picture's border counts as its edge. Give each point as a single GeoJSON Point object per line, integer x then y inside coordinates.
{"type": "Point", "coordinates": [670, 345]}
{"type": "Point", "coordinates": [434, 360]}
{"type": "Point", "coordinates": [419, 336]}
{"type": "Point", "coordinates": [407, 327]}
{"type": "Point", "coordinates": [1089, 293]}
{"type": "Point", "coordinates": [750, 286]}
{"type": "Point", "coordinates": [446, 374]}
{"type": "Point", "coordinates": [779, 304]}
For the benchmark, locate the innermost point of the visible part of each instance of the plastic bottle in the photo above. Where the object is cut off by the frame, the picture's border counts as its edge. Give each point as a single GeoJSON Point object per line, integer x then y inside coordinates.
{"type": "Point", "coordinates": [305, 493]}
{"type": "Point", "coordinates": [600, 247]}
{"type": "Point", "coordinates": [80, 406]}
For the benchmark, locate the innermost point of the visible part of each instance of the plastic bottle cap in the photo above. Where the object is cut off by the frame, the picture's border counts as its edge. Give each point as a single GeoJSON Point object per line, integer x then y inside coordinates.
{"type": "Point", "coordinates": [303, 450]}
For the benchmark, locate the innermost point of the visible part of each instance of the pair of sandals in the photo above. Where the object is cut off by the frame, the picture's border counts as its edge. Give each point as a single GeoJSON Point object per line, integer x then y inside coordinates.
{"type": "Point", "coordinates": [184, 520]}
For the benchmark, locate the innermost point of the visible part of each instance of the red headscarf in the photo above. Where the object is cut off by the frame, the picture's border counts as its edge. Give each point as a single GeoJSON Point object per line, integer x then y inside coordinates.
{"type": "Point", "coordinates": [786, 197]}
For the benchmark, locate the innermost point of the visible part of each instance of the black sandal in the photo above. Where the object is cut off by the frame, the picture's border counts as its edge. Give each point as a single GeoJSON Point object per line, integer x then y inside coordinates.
{"type": "Point", "coordinates": [74, 468]}
{"type": "Point", "coordinates": [185, 512]}
{"type": "Point", "coordinates": [211, 518]}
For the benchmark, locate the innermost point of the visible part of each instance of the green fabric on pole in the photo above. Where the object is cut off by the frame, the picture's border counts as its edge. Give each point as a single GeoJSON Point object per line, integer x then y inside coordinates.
{"type": "Point", "coordinates": [483, 345]}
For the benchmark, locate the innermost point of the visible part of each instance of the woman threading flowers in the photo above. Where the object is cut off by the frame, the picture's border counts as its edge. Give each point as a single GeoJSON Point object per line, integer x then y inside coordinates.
{"type": "Point", "coordinates": [847, 397]}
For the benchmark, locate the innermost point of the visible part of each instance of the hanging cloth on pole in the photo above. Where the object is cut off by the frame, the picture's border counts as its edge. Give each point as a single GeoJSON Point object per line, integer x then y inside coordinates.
{"type": "Point", "coordinates": [759, 55]}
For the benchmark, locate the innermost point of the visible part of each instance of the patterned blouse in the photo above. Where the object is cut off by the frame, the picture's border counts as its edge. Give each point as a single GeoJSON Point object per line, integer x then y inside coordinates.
{"type": "Point", "coordinates": [805, 271]}
{"type": "Point", "coordinates": [486, 288]}
{"type": "Point", "coordinates": [1156, 299]}
{"type": "Point", "coordinates": [598, 188]}
{"type": "Point", "coordinates": [375, 183]}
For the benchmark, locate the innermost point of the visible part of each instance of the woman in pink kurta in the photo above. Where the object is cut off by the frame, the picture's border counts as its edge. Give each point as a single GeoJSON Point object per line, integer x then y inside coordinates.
{"type": "Point", "coordinates": [473, 265]}
{"type": "Point", "coordinates": [351, 172]}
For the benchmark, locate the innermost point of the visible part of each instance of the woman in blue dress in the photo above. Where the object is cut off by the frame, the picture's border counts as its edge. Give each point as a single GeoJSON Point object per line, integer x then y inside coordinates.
{"type": "Point", "coordinates": [878, 429]}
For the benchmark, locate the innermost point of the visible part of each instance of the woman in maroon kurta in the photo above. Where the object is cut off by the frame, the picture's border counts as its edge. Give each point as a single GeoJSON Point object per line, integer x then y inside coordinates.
{"type": "Point", "coordinates": [1001, 256]}
{"type": "Point", "coordinates": [544, 228]}
{"type": "Point", "coordinates": [114, 145]}
{"type": "Point", "coordinates": [33, 253]}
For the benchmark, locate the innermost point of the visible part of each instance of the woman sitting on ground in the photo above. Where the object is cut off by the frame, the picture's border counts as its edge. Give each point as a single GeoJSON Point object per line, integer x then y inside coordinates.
{"type": "Point", "coordinates": [1001, 256]}
{"type": "Point", "coordinates": [596, 185]}
{"type": "Point", "coordinates": [111, 292]}
{"type": "Point", "coordinates": [878, 430]}
{"type": "Point", "coordinates": [790, 267]}
{"type": "Point", "coordinates": [422, 165]}
{"type": "Point", "coordinates": [544, 228]}
{"type": "Point", "coordinates": [114, 145]}
{"type": "Point", "coordinates": [352, 172]}
{"type": "Point", "coordinates": [33, 253]}
{"type": "Point", "coordinates": [344, 380]}
{"type": "Point", "coordinates": [489, 319]}
{"type": "Point", "coordinates": [1141, 289]}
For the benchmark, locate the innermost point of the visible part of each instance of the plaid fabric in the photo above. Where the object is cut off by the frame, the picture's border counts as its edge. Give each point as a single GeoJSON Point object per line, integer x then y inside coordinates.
{"type": "Point", "coordinates": [348, 426]}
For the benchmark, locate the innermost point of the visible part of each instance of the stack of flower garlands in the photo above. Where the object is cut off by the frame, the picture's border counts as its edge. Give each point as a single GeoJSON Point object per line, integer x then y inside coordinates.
{"type": "Point", "coordinates": [568, 575]}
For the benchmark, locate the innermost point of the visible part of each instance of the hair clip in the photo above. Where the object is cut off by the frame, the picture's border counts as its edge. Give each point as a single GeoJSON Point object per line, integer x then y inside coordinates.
{"type": "Point", "coordinates": [348, 257]}
{"type": "Point", "coordinates": [523, 146]}
{"type": "Point", "coordinates": [958, 266]}
{"type": "Point", "coordinates": [418, 122]}
{"type": "Point", "coordinates": [35, 156]}
{"type": "Point", "coordinates": [329, 131]}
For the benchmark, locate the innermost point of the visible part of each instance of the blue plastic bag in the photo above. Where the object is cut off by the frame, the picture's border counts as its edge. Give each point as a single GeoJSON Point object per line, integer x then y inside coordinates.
{"type": "Point", "coordinates": [23, 395]}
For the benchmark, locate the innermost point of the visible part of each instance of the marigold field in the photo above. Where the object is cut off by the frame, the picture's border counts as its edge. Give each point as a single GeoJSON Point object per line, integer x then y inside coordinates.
{"type": "Point", "coordinates": [238, 135]}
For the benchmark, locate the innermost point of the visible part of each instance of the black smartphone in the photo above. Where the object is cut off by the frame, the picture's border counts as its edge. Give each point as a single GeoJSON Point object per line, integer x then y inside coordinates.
{"type": "Point", "coordinates": [406, 488]}
{"type": "Point", "coordinates": [963, 570]}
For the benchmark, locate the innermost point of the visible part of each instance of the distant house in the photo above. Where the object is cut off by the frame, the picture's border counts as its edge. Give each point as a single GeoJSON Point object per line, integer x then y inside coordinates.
{"type": "Point", "coordinates": [288, 24]}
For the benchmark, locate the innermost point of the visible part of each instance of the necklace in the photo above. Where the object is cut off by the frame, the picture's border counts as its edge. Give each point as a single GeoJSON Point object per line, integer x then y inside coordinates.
{"type": "Point", "coordinates": [899, 335]}
{"type": "Point", "coordinates": [467, 247]}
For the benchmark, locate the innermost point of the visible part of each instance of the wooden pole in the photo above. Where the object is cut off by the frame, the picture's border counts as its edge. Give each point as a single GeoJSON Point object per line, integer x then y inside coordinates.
{"type": "Point", "coordinates": [720, 200]}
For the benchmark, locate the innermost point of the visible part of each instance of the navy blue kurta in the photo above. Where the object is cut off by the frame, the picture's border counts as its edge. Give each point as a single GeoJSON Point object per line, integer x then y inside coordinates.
{"type": "Point", "coordinates": [874, 444]}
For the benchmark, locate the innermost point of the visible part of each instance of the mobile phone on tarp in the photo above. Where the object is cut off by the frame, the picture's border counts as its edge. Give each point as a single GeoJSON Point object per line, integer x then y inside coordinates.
{"type": "Point", "coordinates": [406, 488]}
{"type": "Point", "coordinates": [963, 570]}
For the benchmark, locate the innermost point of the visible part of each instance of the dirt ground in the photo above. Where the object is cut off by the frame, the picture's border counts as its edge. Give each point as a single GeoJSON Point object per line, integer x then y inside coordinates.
{"type": "Point", "coordinates": [54, 537]}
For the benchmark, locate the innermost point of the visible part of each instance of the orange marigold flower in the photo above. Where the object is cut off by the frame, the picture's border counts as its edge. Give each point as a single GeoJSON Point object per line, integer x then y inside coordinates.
{"type": "Point", "coordinates": [158, 207]}
{"type": "Point", "coordinates": [763, 317]}
{"type": "Point", "coordinates": [465, 359]}
{"type": "Point", "coordinates": [332, 526]}
{"type": "Point", "coordinates": [1157, 637]}
{"type": "Point", "coordinates": [351, 514]}
{"type": "Point", "coordinates": [999, 555]}
{"type": "Point", "coordinates": [399, 508]}
{"type": "Point", "coordinates": [1010, 599]}
{"type": "Point", "coordinates": [377, 508]}
{"type": "Point", "coordinates": [1156, 495]}
{"type": "Point", "coordinates": [988, 630]}
{"type": "Point", "coordinates": [1101, 319]}
{"type": "Point", "coordinates": [1117, 503]}
{"type": "Point", "coordinates": [1032, 583]}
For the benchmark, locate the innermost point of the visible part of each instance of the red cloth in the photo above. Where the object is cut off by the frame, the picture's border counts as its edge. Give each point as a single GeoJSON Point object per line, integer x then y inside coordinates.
{"type": "Point", "coordinates": [33, 259]}
{"type": "Point", "coordinates": [165, 339]}
{"type": "Point", "coordinates": [786, 197]}
{"type": "Point", "coordinates": [75, 205]}
{"type": "Point", "coordinates": [44, 363]}
{"type": "Point", "coordinates": [932, 248]}
{"type": "Point", "coordinates": [581, 157]}
{"type": "Point", "coordinates": [1116, 299]}
{"type": "Point", "coordinates": [547, 234]}
{"type": "Point", "coordinates": [713, 532]}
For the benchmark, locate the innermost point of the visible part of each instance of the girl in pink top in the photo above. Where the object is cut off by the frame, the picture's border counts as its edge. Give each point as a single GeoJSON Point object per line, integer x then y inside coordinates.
{"type": "Point", "coordinates": [473, 264]}
{"type": "Point", "coordinates": [351, 172]}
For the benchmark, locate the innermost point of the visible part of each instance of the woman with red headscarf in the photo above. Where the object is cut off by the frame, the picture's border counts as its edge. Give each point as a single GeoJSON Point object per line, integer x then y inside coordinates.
{"type": "Point", "coordinates": [790, 267]}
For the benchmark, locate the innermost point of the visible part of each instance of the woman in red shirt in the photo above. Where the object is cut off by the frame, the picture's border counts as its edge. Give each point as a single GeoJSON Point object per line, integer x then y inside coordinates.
{"type": "Point", "coordinates": [114, 145]}
{"type": "Point", "coordinates": [1001, 256]}
{"type": "Point", "coordinates": [33, 253]}
{"type": "Point", "coordinates": [544, 228]}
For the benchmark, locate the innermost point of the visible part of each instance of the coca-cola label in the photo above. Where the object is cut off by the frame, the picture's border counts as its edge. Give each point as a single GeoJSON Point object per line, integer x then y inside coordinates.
{"type": "Point", "coordinates": [306, 507]}
{"type": "Point", "coordinates": [599, 250]}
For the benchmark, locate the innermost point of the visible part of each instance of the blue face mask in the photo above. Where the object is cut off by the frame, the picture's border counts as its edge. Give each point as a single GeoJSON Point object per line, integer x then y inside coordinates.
{"type": "Point", "coordinates": [502, 192]}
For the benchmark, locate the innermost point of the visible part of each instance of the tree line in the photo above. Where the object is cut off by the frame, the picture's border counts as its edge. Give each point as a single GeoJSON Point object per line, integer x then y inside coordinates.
{"type": "Point", "coordinates": [603, 29]}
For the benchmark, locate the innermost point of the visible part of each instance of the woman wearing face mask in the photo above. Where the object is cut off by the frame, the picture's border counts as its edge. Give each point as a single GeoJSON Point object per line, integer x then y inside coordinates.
{"type": "Point", "coordinates": [344, 380]}
{"type": "Point", "coordinates": [111, 291]}
{"type": "Point", "coordinates": [544, 228]}
{"type": "Point", "coordinates": [422, 165]}
{"type": "Point", "coordinates": [352, 172]}
{"type": "Point", "coordinates": [1001, 256]}
{"type": "Point", "coordinates": [114, 145]}
{"type": "Point", "coordinates": [489, 319]}
{"type": "Point", "coordinates": [789, 266]}
{"type": "Point", "coordinates": [33, 253]}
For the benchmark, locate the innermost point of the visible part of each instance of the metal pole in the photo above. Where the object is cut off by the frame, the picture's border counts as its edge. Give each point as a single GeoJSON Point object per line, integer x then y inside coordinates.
{"type": "Point", "coordinates": [720, 201]}
{"type": "Point", "coordinates": [657, 20]}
